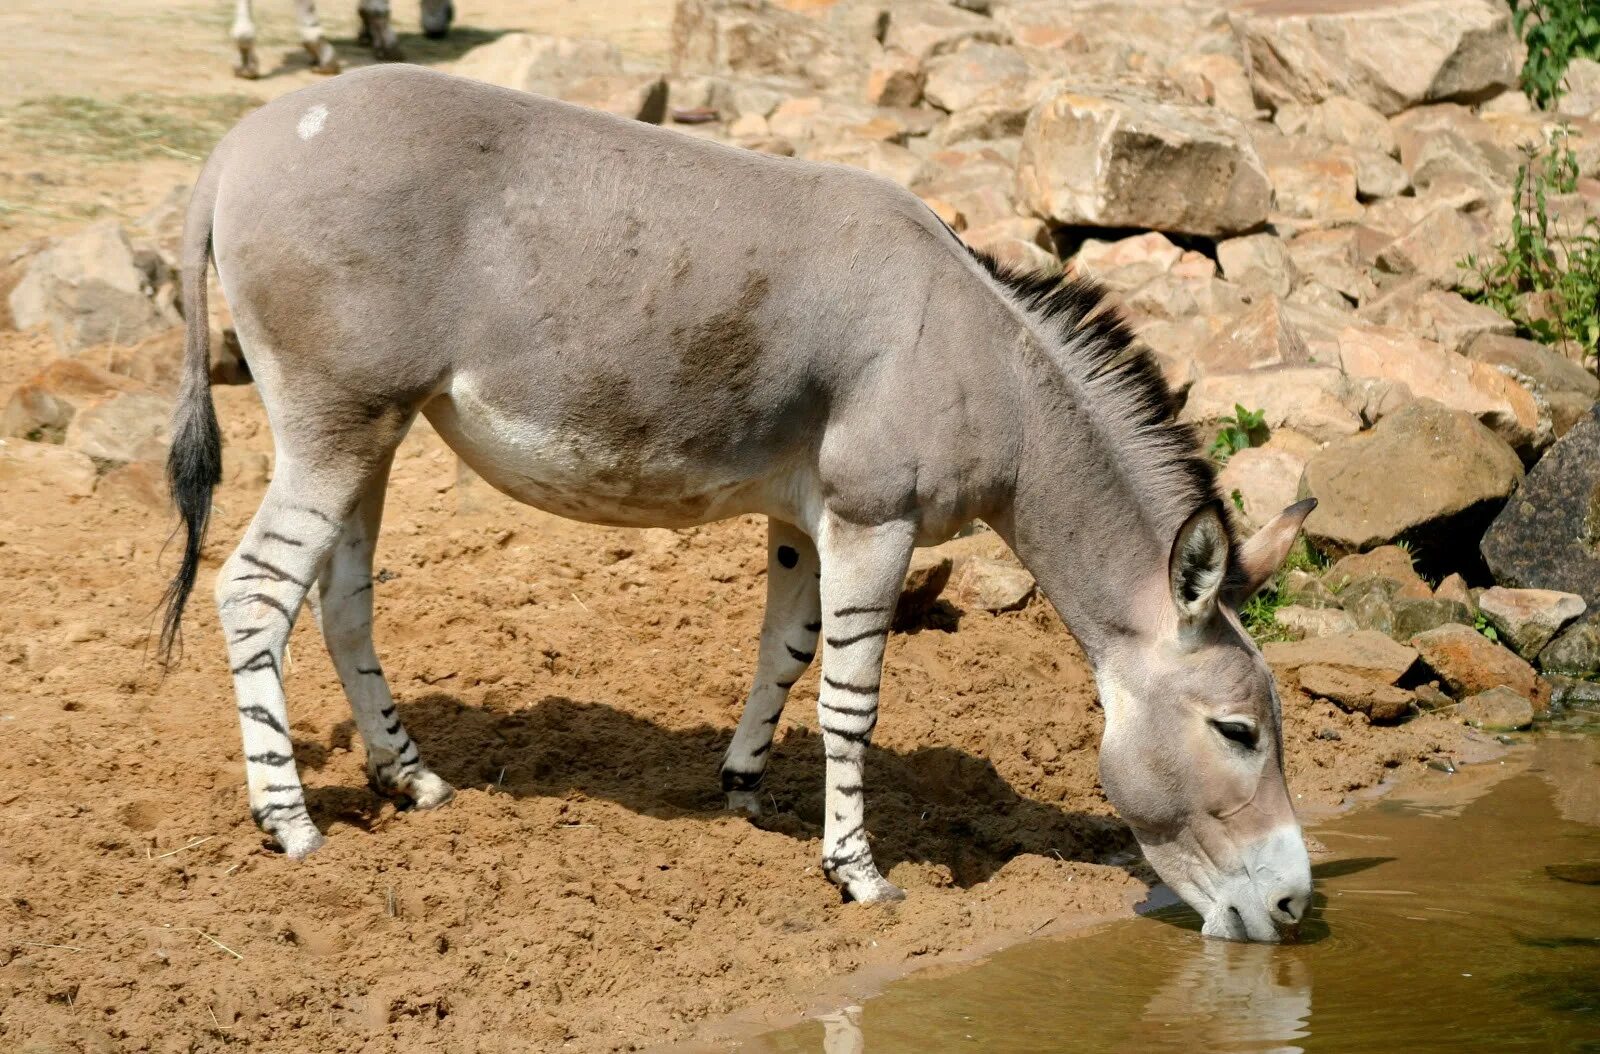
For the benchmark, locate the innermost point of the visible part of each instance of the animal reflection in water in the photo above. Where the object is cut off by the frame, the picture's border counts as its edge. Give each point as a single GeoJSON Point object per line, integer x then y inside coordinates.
{"type": "Point", "coordinates": [1225, 996]}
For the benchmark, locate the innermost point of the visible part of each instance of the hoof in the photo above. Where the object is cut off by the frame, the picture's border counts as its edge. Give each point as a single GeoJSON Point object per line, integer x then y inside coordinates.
{"type": "Point", "coordinates": [440, 29]}
{"type": "Point", "coordinates": [747, 802]}
{"type": "Point", "coordinates": [430, 792]}
{"type": "Point", "coordinates": [389, 53]}
{"type": "Point", "coordinates": [862, 884]}
{"type": "Point", "coordinates": [248, 72]}
{"type": "Point", "coordinates": [323, 58]}
{"type": "Point", "coordinates": [301, 842]}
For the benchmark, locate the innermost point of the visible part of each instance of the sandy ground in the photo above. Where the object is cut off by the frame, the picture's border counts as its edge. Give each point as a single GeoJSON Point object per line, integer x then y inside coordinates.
{"type": "Point", "coordinates": [584, 891]}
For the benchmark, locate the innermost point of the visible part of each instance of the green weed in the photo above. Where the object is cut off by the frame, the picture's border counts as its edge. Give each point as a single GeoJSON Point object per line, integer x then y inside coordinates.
{"type": "Point", "coordinates": [1481, 624]}
{"type": "Point", "coordinates": [1546, 276]}
{"type": "Point", "coordinates": [1243, 430]}
{"type": "Point", "coordinates": [1556, 32]}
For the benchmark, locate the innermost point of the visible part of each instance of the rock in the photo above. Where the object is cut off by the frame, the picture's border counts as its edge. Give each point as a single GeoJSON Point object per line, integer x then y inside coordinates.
{"type": "Point", "coordinates": [91, 288]}
{"type": "Point", "coordinates": [1311, 180]}
{"type": "Point", "coordinates": [639, 96]}
{"type": "Point", "coordinates": [1216, 80]}
{"type": "Point", "coordinates": [1262, 336]}
{"type": "Point", "coordinates": [894, 79]}
{"type": "Point", "coordinates": [984, 123]}
{"type": "Point", "coordinates": [1312, 400]}
{"type": "Point", "coordinates": [1468, 663]}
{"type": "Point", "coordinates": [994, 585]}
{"type": "Point", "coordinates": [1364, 653]}
{"type": "Point", "coordinates": [1572, 691]}
{"type": "Point", "coordinates": [1329, 257]}
{"type": "Point", "coordinates": [1548, 537]}
{"type": "Point", "coordinates": [1258, 262]}
{"type": "Point", "coordinates": [1128, 263]}
{"type": "Point", "coordinates": [1370, 603]}
{"type": "Point", "coordinates": [1454, 588]}
{"type": "Point", "coordinates": [1527, 619]}
{"type": "Point", "coordinates": [1428, 371]}
{"type": "Point", "coordinates": [1261, 482]}
{"type": "Point", "coordinates": [1337, 119]}
{"type": "Point", "coordinates": [41, 408]}
{"type": "Point", "coordinates": [926, 578]}
{"type": "Point", "coordinates": [1389, 54]}
{"type": "Point", "coordinates": [1379, 701]}
{"type": "Point", "coordinates": [1429, 697]}
{"type": "Point", "coordinates": [1424, 473]}
{"type": "Point", "coordinates": [1497, 710]}
{"type": "Point", "coordinates": [892, 162]}
{"type": "Point", "coordinates": [39, 471]}
{"type": "Point", "coordinates": [534, 62]}
{"type": "Point", "coordinates": [1575, 651]}
{"type": "Point", "coordinates": [926, 28]}
{"type": "Point", "coordinates": [1448, 318]}
{"type": "Point", "coordinates": [1314, 622]}
{"type": "Point", "coordinates": [1546, 370]}
{"type": "Point", "coordinates": [754, 38]}
{"type": "Point", "coordinates": [978, 75]}
{"type": "Point", "coordinates": [1434, 248]}
{"type": "Point", "coordinates": [1580, 88]}
{"type": "Point", "coordinates": [1304, 588]}
{"type": "Point", "coordinates": [1418, 615]}
{"type": "Point", "coordinates": [1116, 157]}
{"type": "Point", "coordinates": [1388, 562]}
{"type": "Point", "coordinates": [1379, 175]}
{"type": "Point", "coordinates": [127, 426]}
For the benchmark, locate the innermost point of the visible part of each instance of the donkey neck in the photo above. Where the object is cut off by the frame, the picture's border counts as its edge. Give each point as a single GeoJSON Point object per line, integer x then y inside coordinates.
{"type": "Point", "coordinates": [1104, 477]}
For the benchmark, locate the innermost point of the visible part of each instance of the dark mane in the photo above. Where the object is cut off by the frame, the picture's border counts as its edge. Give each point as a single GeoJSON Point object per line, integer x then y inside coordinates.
{"type": "Point", "coordinates": [1096, 347]}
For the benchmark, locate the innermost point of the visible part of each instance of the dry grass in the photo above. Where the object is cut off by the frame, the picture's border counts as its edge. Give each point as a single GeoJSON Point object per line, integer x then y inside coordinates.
{"type": "Point", "coordinates": [131, 128]}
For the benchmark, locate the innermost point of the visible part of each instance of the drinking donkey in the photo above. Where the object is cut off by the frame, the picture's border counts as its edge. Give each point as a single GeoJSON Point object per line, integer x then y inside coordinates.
{"type": "Point", "coordinates": [626, 325]}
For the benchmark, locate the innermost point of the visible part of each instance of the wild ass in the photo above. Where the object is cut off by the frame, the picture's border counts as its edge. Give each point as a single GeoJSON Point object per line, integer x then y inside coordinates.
{"type": "Point", "coordinates": [628, 326]}
{"type": "Point", "coordinates": [376, 31]}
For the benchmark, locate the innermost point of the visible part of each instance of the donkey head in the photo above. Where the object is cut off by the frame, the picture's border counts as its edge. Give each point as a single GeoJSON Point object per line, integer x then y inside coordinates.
{"type": "Point", "coordinates": [1192, 754]}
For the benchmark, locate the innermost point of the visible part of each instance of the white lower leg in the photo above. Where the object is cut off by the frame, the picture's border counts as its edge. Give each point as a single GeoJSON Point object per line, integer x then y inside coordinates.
{"type": "Point", "coordinates": [322, 54]}
{"type": "Point", "coordinates": [862, 571]}
{"type": "Point", "coordinates": [259, 591]}
{"type": "Point", "coordinates": [394, 763]}
{"type": "Point", "coordinates": [244, 36]}
{"type": "Point", "coordinates": [788, 643]}
{"type": "Point", "coordinates": [380, 28]}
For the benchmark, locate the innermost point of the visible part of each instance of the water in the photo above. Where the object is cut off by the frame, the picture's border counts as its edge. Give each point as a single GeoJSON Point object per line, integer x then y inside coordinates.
{"type": "Point", "coordinates": [1443, 924]}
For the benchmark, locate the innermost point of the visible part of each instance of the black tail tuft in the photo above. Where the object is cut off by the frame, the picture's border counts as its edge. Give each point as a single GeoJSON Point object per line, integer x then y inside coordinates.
{"type": "Point", "coordinates": [194, 468]}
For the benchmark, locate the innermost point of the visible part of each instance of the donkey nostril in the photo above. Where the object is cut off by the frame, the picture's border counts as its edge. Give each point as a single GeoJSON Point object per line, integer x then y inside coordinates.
{"type": "Point", "coordinates": [1290, 908]}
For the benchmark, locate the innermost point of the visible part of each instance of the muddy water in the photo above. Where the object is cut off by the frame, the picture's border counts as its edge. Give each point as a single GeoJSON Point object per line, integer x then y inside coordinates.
{"type": "Point", "coordinates": [1460, 915]}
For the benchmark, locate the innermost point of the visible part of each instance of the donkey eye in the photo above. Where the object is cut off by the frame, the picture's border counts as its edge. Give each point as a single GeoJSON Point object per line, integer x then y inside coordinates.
{"type": "Point", "coordinates": [1240, 732]}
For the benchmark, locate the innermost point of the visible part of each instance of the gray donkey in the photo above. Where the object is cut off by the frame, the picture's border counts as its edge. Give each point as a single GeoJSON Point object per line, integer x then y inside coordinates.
{"type": "Point", "coordinates": [376, 30]}
{"type": "Point", "coordinates": [625, 325]}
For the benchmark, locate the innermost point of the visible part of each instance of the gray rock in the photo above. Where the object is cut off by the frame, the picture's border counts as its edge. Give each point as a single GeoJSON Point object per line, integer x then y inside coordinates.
{"type": "Point", "coordinates": [1314, 621]}
{"type": "Point", "coordinates": [1497, 710]}
{"type": "Point", "coordinates": [1575, 651]}
{"type": "Point", "coordinates": [1414, 616]}
{"type": "Point", "coordinates": [1527, 619]}
{"type": "Point", "coordinates": [127, 426]}
{"type": "Point", "coordinates": [1427, 474]}
{"type": "Point", "coordinates": [1547, 370]}
{"type": "Point", "coordinates": [92, 288]}
{"type": "Point", "coordinates": [994, 585]}
{"type": "Point", "coordinates": [1548, 535]}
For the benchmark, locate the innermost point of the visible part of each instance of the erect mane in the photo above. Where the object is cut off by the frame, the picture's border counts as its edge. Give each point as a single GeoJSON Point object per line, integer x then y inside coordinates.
{"type": "Point", "coordinates": [1122, 386]}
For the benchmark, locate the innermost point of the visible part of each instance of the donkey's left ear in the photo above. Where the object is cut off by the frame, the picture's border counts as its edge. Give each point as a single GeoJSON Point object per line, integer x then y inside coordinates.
{"type": "Point", "coordinates": [1198, 565]}
{"type": "Point", "coordinates": [1263, 554]}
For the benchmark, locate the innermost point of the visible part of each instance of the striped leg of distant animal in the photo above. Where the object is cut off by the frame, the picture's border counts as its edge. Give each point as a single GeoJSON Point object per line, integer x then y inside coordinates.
{"type": "Point", "coordinates": [377, 29]}
{"type": "Point", "coordinates": [259, 592]}
{"type": "Point", "coordinates": [788, 642]}
{"type": "Point", "coordinates": [345, 587]}
{"type": "Point", "coordinates": [323, 57]}
{"type": "Point", "coordinates": [863, 569]}
{"type": "Point", "coordinates": [244, 38]}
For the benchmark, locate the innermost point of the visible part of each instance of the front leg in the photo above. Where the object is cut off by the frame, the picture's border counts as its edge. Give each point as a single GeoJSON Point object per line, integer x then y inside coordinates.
{"type": "Point", "coordinates": [378, 30]}
{"type": "Point", "coordinates": [862, 571]}
{"type": "Point", "coordinates": [244, 37]}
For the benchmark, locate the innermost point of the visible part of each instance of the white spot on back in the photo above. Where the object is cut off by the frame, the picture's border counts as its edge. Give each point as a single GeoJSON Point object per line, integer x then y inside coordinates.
{"type": "Point", "coordinates": [312, 120]}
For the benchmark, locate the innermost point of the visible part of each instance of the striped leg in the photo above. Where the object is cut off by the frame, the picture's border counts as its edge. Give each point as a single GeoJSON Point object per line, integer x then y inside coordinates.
{"type": "Point", "coordinates": [788, 642]}
{"type": "Point", "coordinates": [323, 58]}
{"type": "Point", "coordinates": [862, 571]}
{"type": "Point", "coordinates": [244, 37]}
{"type": "Point", "coordinates": [259, 592]}
{"type": "Point", "coordinates": [394, 764]}
{"type": "Point", "coordinates": [378, 30]}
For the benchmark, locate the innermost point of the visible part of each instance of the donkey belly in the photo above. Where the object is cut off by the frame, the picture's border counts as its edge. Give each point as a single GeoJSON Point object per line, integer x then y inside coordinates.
{"type": "Point", "coordinates": [627, 480]}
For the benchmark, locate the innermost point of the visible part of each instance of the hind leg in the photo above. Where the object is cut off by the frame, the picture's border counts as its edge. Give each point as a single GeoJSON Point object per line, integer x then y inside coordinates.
{"type": "Point", "coordinates": [259, 592]}
{"type": "Point", "coordinates": [378, 29]}
{"type": "Point", "coordinates": [788, 644]}
{"type": "Point", "coordinates": [323, 57]}
{"type": "Point", "coordinates": [436, 17]}
{"type": "Point", "coordinates": [394, 764]}
{"type": "Point", "coordinates": [244, 38]}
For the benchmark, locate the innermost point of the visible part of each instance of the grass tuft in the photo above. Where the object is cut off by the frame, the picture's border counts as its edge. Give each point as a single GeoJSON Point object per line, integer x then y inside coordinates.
{"type": "Point", "coordinates": [133, 128]}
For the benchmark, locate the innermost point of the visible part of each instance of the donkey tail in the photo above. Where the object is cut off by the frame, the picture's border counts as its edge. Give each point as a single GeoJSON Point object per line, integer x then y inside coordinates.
{"type": "Point", "coordinates": [194, 461]}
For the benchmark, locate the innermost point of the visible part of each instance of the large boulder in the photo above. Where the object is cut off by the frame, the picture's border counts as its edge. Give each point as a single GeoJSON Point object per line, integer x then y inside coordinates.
{"type": "Point", "coordinates": [1548, 535]}
{"type": "Point", "coordinates": [1546, 371]}
{"type": "Point", "coordinates": [93, 288]}
{"type": "Point", "coordinates": [1315, 401]}
{"type": "Point", "coordinates": [1469, 663]}
{"type": "Point", "coordinates": [979, 75]}
{"type": "Point", "coordinates": [1119, 157]}
{"type": "Point", "coordinates": [1365, 653]}
{"type": "Point", "coordinates": [1389, 54]}
{"type": "Point", "coordinates": [1258, 262]}
{"type": "Point", "coordinates": [1428, 371]}
{"type": "Point", "coordinates": [1575, 652]}
{"type": "Point", "coordinates": [41, 407]}
{"type": "Point", "coordinates": [534, 62]}
{"type": "Point", "coordinates": [1527, 619]}
{"type": "Point", "coordinates": [926, 28]}
{"type": "Point", "coordinates": [1262, 336]}
{"type": "Point", "coordinates": [127, 426]}
{"type": "Point", "coordinates": [754, 38]}
{"type": "Point", "coordinates": [1425, 474]}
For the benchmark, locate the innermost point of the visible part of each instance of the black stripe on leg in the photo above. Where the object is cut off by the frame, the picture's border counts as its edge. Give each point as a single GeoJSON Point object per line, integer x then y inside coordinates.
{"type": "Point", "coordinates": [244, 634]}
{"type": "Point", "coordinates": [266, 812]}
{"type": "Point", "coordinates": [862, 738]}
{"type": "Point", "coordinates": [285, 539]}
{"type": "Point", "coordinates": [279, 788]}
{"type": "Point", "coordinates": [846, 686]}
{"type": "Point", "coordinates": [262, 715]}
{"type": "Point", "coordinates": [371, 671]}
{"type": "Point", "coordinates": [800, 656]}
{"type": "Point", "coordinates": [366, 588]}
{"type": "Point", "coordinates": [324, 517]}
{"type": "Point", "coordinates": [849, 790]}
{"type": "Point", "coordinates": [387, 712]}
{"type": "Point", "coordinates": [834, 863]}
{"type": "Point", "coordinates": [269, 570]}
{"type": "Point", "coordinates": [851, 833]}
{"type": "Point", "coordinates": [270, 757]}
{"type": "Point", "coordinates": [393, 729]}
{"type": "Point", "coordinates": [845, 642]}
{"type": "Point", "coordinates": [261, 660]}
{"type": "Point", "coordinates": [271, 602]}
{"type": "Point", "coordinates": [842, 612]}
{"type": "Point", "coordinates": [785, 685]}
{"type": "Point", "coordinates": [409, 748]}
{"type": "Point", "coordinates": [853, 711]}
{"type": "Point", "coordinates": [762, 749]}
{"type": "Point", "coordinates": [831, 756]}
{"type": "Point", "coordinates": [773, 720]}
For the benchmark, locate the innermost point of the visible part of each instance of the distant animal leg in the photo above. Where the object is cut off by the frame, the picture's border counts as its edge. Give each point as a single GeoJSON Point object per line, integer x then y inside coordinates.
{"type": "Point", "coordinates": [378, 30]}
{"type": "Point", "coordinates": [244, 37]}
{"type": "Point", "coordinates": [788, 642]}
{"type": "Point", "coordinates": [323, 57]}
{"type": "Point", "coordinates": [436, 17]}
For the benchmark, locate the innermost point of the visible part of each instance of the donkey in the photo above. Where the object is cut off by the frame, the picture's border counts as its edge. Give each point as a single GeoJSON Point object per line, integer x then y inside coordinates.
{"type": "Point", "coordinates": [628, 326]}
{"type": "Point", "coordinates": [376, 31]}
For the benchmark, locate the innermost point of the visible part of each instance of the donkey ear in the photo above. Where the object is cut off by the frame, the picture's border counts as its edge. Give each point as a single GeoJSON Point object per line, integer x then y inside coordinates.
{"type": "Point", "coordinates": [1198, 564]}
{"type": "Point", "coordinates": [1260, 557]}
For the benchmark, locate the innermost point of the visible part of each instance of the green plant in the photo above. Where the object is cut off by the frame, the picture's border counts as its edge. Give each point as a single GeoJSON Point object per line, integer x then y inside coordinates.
{"type": "Point", "coordinates": [1546, 276]}
{"type": "Point", "coordinates": [1556, 32]}
{"type": "Point", "coordinates": [1243, 430]}
{"type": "Point", "coordinates": [1481, 624]}
{"type": "Point", "coordinates": [1260, 613]}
